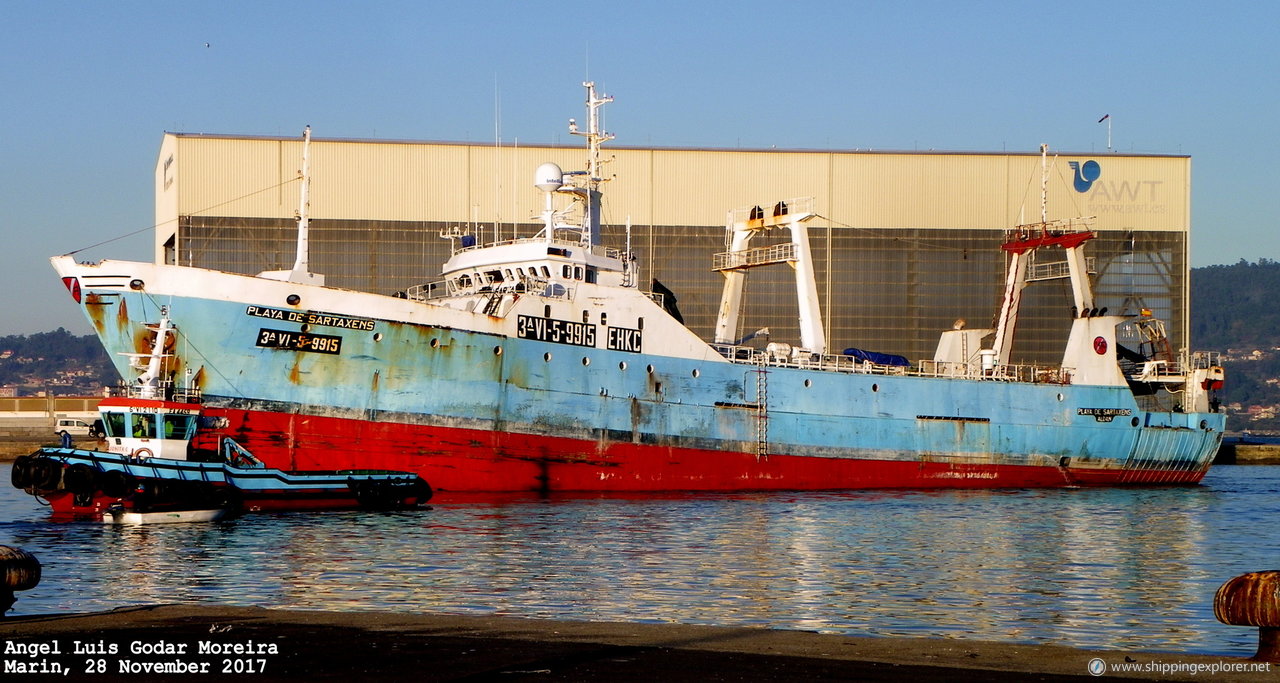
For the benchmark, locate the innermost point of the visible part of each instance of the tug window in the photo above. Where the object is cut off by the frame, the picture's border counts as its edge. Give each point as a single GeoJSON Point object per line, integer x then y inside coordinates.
{"type": "Point", "coordinates": [113, 424]}
{"type": "Point", "coordinates": [144, 426]}
{"type": "Point", "coordinates": [179, 426]}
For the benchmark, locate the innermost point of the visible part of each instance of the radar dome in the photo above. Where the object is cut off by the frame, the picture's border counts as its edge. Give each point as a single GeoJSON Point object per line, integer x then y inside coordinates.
{"type": "Point", "coordinates": [548, 177]}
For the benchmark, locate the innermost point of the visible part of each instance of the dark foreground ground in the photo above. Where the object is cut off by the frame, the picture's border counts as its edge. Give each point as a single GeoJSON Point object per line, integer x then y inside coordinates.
{"type": "Point", "coordinates": [246, 643]}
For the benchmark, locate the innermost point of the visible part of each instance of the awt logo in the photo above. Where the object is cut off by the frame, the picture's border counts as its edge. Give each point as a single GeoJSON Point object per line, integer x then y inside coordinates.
{"type": "Point", "coordinates": [1085, 173]}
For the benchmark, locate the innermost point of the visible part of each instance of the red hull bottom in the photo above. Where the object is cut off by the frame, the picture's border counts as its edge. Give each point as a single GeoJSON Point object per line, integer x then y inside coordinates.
{"type": "Point", "coordinates": [454, 460]}
{"type": "Point", "coordinates": [64, 504]}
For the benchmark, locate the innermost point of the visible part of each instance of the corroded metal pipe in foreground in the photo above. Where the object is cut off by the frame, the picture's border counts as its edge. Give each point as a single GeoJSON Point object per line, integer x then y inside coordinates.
{"type": "Point", "coordinates": [1253, 599]}
{"type": "Point", "coordinates": [19, 571]}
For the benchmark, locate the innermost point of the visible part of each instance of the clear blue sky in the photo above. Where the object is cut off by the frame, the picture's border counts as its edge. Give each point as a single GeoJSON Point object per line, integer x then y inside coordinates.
{"type": "Point", "coordinates": [90, 87]}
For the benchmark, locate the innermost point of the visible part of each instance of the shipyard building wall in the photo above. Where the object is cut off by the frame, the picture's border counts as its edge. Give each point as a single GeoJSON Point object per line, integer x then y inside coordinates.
{"type": "Point", "coordinates": [907, 243]}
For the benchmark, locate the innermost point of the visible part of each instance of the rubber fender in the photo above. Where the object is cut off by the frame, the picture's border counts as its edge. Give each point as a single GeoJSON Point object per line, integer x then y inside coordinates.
{"type": "Point", "coordinates": [118, 483]}
{"type": "Point", "coordinates": [80, 478]}
{"type": "Point", "coordinates": [46, 473]}
{"type": "Point", "coordinates": [21, 474]}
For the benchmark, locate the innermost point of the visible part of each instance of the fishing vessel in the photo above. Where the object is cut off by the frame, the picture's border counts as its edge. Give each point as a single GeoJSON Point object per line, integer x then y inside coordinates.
{"type": "Point", "coordinates": [163, 465]}
{"type": "Point", "coordinates": [539, 363]}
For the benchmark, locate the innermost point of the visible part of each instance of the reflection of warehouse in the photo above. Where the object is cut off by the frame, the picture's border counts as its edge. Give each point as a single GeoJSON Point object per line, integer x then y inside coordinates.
{"type": "Point", "coordinates": [910, 242]}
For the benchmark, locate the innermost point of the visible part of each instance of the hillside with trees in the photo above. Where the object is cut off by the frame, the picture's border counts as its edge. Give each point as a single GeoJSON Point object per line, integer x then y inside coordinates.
{"type": "Point", "coordinates": [1234, 311]}
{"type": "Point", "coordinates": [57, 362]}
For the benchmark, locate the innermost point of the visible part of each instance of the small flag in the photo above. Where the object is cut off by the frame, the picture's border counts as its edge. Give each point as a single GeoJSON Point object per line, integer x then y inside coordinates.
{"type": "Point", "coordinates": [1104, 118]}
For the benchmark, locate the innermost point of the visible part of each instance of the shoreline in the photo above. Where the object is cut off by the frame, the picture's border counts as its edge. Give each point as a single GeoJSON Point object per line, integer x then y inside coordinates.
{"type": "Point", "coordinates": [270, 644]}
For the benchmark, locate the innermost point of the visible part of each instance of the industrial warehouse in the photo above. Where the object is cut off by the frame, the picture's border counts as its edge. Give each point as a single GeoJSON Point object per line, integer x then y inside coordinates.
{"type": "Point", "coordinates": [907, 244]}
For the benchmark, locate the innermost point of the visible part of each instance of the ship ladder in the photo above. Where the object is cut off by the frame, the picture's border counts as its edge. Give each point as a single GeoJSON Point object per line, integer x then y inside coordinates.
{"type": "Point", "coordinates": [762, 409]}
{"type": "Point", "coordinates": [495, 300]}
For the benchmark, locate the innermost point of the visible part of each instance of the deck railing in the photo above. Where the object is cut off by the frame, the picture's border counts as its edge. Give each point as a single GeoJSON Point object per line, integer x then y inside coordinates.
{"type": "Point", "coordinates": [747, 355]}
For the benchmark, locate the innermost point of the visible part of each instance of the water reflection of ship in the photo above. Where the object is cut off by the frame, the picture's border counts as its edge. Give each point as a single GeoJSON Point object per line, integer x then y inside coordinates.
{"type": "Point", "coordinates": [1029, 566]}
{"type": "Point", "coordinates": [1114, 568]}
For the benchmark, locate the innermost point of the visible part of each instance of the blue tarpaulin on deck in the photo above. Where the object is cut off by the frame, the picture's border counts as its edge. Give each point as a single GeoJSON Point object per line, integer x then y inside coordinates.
{"type": "Point", "coordinates": [878, 358]}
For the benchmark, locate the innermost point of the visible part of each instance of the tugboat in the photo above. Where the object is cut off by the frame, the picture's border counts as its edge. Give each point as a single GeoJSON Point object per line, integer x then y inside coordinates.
{"type": "Point", "coordinates": [156, 468]}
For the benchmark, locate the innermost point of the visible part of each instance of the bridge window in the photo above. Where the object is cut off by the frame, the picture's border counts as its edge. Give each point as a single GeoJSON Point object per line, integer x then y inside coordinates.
{"type": "Point", "coordinates": [179, 426]}
{"type": "Point", "coordinates": [113, 424]}
{"type": "Point", "coordinates": [143, 426]}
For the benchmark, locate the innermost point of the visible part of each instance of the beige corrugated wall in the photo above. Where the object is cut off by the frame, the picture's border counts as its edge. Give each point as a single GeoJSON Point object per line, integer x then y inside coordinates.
{"type": "Point", "coordinates": [673, 196]}
{"type": "Point", "coordinates": [412, 181]}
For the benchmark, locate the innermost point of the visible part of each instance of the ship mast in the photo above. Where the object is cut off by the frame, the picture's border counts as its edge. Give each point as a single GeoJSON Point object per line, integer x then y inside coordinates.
{"type": "Point", "coordinates": [595, 137]}
{"type": "Point", "coordinates": [301, 264]}
{"type": "Point", "coordinates": [1023, 243]}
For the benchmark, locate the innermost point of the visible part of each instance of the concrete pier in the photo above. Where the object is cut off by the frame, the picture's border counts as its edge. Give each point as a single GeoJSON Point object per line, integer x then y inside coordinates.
{"type": "Point", "coordinates": [249, 643]}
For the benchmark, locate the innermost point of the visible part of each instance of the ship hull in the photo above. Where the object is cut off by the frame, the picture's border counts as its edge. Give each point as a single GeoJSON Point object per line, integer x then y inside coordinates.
{"type": "Point", "coordinates": [513, 393]}
{"type": "Point", "coordinates": [469, 460]}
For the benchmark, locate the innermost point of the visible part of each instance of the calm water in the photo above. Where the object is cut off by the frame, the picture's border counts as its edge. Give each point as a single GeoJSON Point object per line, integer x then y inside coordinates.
{"type": "Point", "coordinates": [1120, 569]}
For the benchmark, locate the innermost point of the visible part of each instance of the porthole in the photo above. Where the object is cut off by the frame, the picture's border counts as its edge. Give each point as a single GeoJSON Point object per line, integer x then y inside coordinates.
{"type": "Point", "coordinates": [377, 336]}
{"type": "Point", "coordinates": [649, 369]}
{"type": "Point", "coordinates": [547, 356]}
{"type": "Point", "coordinates": [695, 373]}
{"type": "Point", "coordinates": [435, 342]}
{"type": "Point", "coordinates": [875, 387]}
{"type": "Point", "coordinates": [586, 361]}
{"type": "Point", "coordinates": [1060, 398]}
{"type": "Point", "coordinates": [136, 284]}
{"type": "Point", "coordinates": [497, 350]}
{"type": "Point", "coordinates": [1204, 425]}
{"type": "Point", "coordinates": [306, 327]}
{"type": "Point", "coordinates": [1134, 422]}
{"type": "Point", "coordinates": [293, 299]}
{"type": "Point", "coordinates": [622, 365]}
{"type": "Point", "coordinates": [808, 383]}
